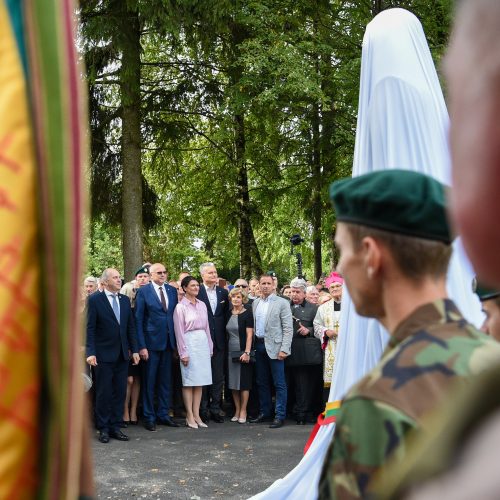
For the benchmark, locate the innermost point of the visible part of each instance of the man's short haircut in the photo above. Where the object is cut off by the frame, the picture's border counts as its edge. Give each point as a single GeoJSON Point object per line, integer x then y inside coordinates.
{"type": "Point", "coordinates": [311, 288]}
{"type": "Point", "coordinates": [204, 266]}
{"type": "Point", "coordinates": [90, 279]}
{"type": "Point", "coordinates": [265, 275]}
{"type": "Point", "coordinates": [416, 258]}
{"type": "Point", "coordinates": [105, 275]}
{"type": "Point", "coordinates": [239, 291]}
{"type": "Point", "coordinates": [298, 283]}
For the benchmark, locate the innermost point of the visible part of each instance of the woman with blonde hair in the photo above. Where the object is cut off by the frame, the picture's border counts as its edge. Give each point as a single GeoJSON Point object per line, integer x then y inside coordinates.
{"type": "Point", "coordinates": [240, 338]}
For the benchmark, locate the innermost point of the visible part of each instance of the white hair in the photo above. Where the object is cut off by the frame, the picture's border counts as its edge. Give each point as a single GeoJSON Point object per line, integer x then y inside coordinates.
{"type": "Point", "coordinates": [204, 266]}
{"type": "Point", "coordinates": [90, 279]}
{"type": "Point", "coordinates": [298, 283]}
{"type": "Point", "coordinates": [311, 288]}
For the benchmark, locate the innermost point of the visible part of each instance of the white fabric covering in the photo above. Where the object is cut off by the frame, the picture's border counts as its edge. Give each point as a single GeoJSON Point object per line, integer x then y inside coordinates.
{"type": "Point", "coordinates": [402, 123]}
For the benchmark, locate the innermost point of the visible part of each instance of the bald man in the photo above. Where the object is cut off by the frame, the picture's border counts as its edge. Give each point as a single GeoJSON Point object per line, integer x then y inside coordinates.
{"type": "Point", "coordinates": [110, 337]}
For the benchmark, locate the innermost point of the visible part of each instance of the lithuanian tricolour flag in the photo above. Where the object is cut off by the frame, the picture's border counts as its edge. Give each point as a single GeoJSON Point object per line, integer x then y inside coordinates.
{"type": "Point", "coordinates": [42, 157]}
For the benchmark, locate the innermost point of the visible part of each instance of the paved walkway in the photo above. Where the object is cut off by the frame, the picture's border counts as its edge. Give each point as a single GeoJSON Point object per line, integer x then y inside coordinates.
{"type": "Point", "coordinates": [226, 460]}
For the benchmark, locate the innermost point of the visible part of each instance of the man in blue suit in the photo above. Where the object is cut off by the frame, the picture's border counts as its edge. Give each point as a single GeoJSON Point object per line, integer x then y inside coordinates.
{"type": "Point", "coordinates": [217, 301]}
{"type": "Point", "coordinates": [111, 338]}
{"type": "Point", "coordinates": [154, 310]}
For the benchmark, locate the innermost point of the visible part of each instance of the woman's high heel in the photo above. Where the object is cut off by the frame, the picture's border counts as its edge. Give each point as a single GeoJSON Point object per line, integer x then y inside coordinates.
{"type": "Point", "coordinates": [201, 423]}
{"type": "Point", "coordinates": [193, 426]}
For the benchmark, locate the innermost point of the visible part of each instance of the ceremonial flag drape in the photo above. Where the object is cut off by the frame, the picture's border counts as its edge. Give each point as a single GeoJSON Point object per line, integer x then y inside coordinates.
{"type": "Point", "coordinates": [42, 203]}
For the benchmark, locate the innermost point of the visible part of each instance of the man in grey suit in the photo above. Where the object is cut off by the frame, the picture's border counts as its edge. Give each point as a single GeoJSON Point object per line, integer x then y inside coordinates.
{"type": "Point", "coordinates": [273, 339]}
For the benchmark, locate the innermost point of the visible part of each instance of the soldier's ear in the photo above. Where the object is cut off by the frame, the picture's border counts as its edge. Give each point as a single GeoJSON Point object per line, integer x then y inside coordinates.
{"type": "Point", "coordinates": [371, 256]}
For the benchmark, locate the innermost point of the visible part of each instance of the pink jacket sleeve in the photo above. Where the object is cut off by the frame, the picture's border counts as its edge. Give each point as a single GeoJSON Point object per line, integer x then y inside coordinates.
{"type": "Point", "coordinates": [180, 330]}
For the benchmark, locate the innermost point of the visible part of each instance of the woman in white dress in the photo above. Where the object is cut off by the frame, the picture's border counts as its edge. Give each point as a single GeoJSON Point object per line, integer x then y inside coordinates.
{"type": "Point", "coordinates": [195, 348]}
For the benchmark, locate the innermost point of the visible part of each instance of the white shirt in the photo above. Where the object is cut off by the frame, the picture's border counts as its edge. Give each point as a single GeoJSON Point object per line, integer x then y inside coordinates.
{"type": "Point", "coordinates": [212, 297]}
{"type": "Point", "coordinates": [110, 295]}
{"type": "Point", "coordinates": [261, 317]}
{"type": "Point", "coordinates": [157, 290]}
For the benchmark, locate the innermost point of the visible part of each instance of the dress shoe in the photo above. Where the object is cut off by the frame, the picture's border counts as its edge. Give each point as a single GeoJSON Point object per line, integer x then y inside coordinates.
{"type": "Point", "coordinates": [168, 422]}
{"type": "Point", "coordinates": [191, 426]}
{"type": "Point", "coordinates": [103, 437]}
{"type": "Point", "coordinates": [200, 423]}
{"type": "Point", "coordinates": [150, 426]}
{"type": "Point", "coordinates": [217, 418]}
{"type": "Point", "coordinates": [133, 422]}
{"type": "Point", "coordinates": [124, 424]}
{"type": "Point", "coordinates": [118, 435]}
{"type": "Point", "coordinates": [260, 418]}
{"type": "Point", "coordinates": [277, 423]}
{"type": "Point", "coordinates": [234, 419]}
{"type": "Point", "coordinates": [301, 421]}
{"type": "Point", "coordinates": [242, 420]}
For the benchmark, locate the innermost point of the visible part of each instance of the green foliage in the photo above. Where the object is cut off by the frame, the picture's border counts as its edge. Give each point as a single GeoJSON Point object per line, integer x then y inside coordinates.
{"type": "Point", "coordinates": [253, 100]}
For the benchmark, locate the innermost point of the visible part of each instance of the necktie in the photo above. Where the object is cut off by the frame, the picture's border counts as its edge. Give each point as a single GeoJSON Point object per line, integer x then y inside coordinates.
{"type": "Point", "coordinates": [116, 309]}
{"type": "Point", "coordinates": [162, 298]}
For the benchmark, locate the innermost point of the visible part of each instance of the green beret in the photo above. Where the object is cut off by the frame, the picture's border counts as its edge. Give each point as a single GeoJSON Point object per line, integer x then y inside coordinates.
{"type": "Point", "coordinates": [141, 270]}
{"type": "Point", "coordinates": [398, 201]}
{"type": "Point", "coordinates": [483, 292]}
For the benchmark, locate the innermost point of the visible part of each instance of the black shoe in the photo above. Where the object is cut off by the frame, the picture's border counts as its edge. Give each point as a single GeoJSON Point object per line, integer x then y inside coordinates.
{"type": "Point", "coordinates": [277, 423]}
{"type": "Point", "coordinates": [217, 418]}
{"type": "Point", "coordinates": [118, 435]}
{"type": "Point", "coordinates": [260, 418]}
{"type": "Point", "coordinates": [301, 421]}
{"type": "Point", "coordinates": [150, 426]}
{"type": "Point", "coordinates": [168, 422]}
{"type": "Point", "coordinates": [133, 422]}
{"type": "Point", "coordinates": [124, 424]}
{"type": "Point", "coordinates": [103, 437]}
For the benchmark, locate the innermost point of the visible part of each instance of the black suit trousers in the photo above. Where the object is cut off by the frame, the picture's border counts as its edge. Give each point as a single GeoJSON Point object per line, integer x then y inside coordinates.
{"type": "Point", "coordinates": [111, 389]}
{"type": "Point", "coordinates": [212, 394]}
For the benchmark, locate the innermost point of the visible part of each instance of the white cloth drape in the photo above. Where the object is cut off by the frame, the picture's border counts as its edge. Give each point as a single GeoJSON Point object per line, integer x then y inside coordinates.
{"type": "Point", "coordinates": [402, 123]}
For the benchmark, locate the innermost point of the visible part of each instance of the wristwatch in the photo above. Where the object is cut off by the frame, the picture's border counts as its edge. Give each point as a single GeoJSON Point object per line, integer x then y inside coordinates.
{"type": "Point", "coordinates": [247, 353]}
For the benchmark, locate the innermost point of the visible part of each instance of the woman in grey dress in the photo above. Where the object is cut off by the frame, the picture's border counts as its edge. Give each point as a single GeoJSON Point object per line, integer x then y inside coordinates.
{"type": "Point", "coordinates": [240, 336]}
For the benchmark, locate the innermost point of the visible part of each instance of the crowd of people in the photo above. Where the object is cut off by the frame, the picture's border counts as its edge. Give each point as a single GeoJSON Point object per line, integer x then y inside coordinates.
{"type": "Point", "coordinates": [189, 348]}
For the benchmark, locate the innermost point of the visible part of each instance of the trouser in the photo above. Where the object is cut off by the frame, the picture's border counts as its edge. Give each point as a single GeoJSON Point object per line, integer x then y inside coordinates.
{"type": "Point", "coordinates": [212, 394]}
{"type": "Point", "coordinates": [157, 375]}
{"type": "Point", "coordinates": [303, 378]}
{"type": "Point", "coordinates": [177, 401]}
{"type": "Point", "coordinates": [111, 389]}
{"type": "Point", "coordinates": [267, 368]}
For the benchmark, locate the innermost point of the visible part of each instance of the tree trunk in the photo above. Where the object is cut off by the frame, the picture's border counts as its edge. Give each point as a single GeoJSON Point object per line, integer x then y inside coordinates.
{"type": "Point", "coordinates": [242, 198]}
{"type": "Point", "coordinates": [249, 253]}
{"type": "Point", "coordinates": [130, 81]}
{"type": "Point", "coordinates": [378, 6]}
{"type": "Point", "coordinates": [316, 203]}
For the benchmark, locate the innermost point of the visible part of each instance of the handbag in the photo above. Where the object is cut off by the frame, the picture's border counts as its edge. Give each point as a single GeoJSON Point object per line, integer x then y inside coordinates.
{"type": "Point", "coordinates": [306, 351]}
{"type": "Point", "coordinates": [235, 356]}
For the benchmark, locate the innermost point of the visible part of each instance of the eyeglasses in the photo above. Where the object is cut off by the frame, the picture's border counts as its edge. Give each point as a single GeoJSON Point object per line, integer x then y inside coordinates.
{"type": "Point", "coordinates": [241, 286]}
{"type": "Point", "coordinates": [160, 272]}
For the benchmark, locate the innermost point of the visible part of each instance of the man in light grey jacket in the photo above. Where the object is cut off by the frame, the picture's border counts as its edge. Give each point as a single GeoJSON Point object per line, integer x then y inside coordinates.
{"type": "Point", "coordinates": [273, 339]}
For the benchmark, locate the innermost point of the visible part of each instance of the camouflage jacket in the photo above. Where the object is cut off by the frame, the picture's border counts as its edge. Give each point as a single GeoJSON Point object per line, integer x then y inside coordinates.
{"type": "Point", "coordinates": [429, 352]}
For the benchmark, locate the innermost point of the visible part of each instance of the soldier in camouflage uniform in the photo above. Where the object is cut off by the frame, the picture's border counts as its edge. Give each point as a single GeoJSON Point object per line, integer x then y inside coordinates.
{"type": "Point", "coordinates": [395, 247]}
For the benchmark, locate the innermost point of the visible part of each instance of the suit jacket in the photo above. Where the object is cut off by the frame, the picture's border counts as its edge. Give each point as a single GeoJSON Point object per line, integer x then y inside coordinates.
{"type": "Point", "coordinates": [279, 326]}
{"type": "Point", "coordinates": [217, 321]}
{"type": "Point", "coordinates": [106, 338]}
{"type": "Point", "coordinates": [155, 327]}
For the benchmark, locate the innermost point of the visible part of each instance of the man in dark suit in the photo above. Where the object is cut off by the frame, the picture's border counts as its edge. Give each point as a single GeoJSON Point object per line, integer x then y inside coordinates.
{"type": "Point", "coordinates": [154, 310]}
{"type": "Point", "coordinates": [217, 301]}
{"type": "Point", "coordinates": [111, 337]}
